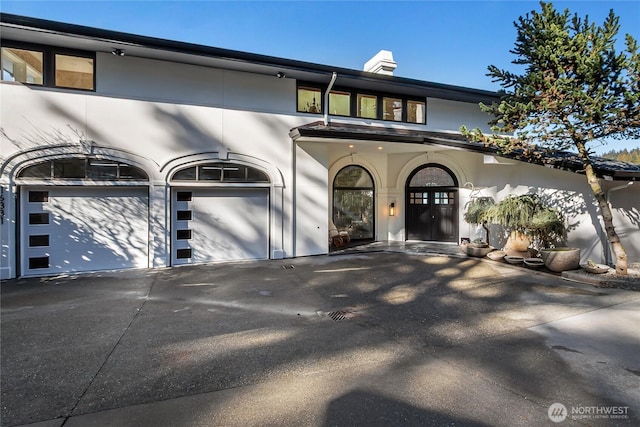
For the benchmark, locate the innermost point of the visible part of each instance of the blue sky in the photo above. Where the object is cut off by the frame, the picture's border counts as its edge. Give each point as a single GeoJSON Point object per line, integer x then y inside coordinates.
{"type": "Point", "coordinates": [441, 41]}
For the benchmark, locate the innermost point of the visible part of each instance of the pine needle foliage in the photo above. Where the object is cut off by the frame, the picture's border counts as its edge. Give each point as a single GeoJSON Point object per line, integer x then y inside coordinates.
{"type": "Point", "coordinates": [529, 215]}
{"type": "Point", "coordinates": [576, 89]}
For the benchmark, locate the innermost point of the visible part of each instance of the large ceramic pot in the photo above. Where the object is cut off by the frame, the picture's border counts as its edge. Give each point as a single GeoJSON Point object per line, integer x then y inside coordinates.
{"type": "Point", "coordinates": [478, 252]}
{"type": "Point", "coordinates": [561, 259]}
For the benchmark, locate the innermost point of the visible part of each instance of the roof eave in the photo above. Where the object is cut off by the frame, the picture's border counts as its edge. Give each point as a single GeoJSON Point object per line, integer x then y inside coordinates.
{"type": "Point", "coordinates": [318, 131]}
{"type": "Point", "coordinates": [436, 90]}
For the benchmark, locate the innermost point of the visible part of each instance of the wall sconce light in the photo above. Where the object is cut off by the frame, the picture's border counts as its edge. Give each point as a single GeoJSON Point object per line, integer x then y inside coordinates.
{"type": "Point", "coordinates": [392, 209]}
{"type": "Point", "coordinates": [118, 52]}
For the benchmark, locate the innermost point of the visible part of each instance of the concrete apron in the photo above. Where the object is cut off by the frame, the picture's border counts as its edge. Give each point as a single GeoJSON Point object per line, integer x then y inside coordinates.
{"type": "Point", "coordinates": [369, 338]}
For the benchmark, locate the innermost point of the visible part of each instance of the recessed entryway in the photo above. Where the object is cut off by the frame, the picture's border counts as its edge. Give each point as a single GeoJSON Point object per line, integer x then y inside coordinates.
{"type": "Point", "coordinates": [432, 204]}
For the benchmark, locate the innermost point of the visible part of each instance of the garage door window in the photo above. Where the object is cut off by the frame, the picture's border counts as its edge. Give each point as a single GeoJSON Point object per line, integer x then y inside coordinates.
{"type": "Point", "coordinates": [93, 169]}
{"type": "Point", "coordinates": [221, 172]}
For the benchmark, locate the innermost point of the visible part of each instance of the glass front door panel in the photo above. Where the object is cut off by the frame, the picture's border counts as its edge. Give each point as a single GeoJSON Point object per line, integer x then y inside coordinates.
{"type": "Point", "coordinates": [353, 210]}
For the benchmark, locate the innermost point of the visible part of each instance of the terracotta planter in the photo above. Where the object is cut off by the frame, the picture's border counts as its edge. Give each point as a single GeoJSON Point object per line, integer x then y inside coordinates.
{"type": "Point", "coordinates": [561, 259]}
{"type": "Point", "coordinates": [518, 242]}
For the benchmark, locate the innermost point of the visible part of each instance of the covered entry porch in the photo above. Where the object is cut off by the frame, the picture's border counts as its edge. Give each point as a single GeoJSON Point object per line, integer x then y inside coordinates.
{"type": "Point", "coordinates": [395, 184]}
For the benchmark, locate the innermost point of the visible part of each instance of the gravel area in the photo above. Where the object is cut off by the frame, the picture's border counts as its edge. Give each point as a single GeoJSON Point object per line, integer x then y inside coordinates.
{"type": "Point", "coordinates": [611, 279]}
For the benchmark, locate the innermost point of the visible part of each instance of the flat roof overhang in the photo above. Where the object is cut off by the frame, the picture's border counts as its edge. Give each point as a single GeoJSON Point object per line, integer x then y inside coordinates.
{"type": "Point", "coordinates": [317, 131]}
{"type": "Point", "coordinates": [39, 31]}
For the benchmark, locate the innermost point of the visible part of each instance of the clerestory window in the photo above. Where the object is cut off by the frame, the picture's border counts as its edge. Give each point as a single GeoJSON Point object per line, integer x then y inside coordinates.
{"type": "Point", "coordinates": [355, 103]}
{"type": "Point", "coordinates": [48, 66]}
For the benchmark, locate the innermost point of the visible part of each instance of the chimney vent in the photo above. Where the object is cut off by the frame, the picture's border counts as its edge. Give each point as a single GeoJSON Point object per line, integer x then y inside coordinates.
{"type": "Point", "coordinates": [381, 63]}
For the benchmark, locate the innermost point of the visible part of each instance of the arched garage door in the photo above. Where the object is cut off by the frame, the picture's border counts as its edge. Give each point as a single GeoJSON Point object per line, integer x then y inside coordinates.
{"type": "Point", "coordinates": [94, 222]}
{"type": "Point", "coordinates": [220, 212]}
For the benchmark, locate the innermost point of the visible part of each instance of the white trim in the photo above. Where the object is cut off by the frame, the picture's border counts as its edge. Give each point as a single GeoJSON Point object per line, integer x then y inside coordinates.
{"type": "Point", "coordinates": [415, 163]}
{"type": "Point", "coordinates": [426, 158]}
{"type": "Point", "coordinates": [276, 196]}
{"type": "Point", "coordinates": [170, 167]}
{"type": "Point", "coordinates": [13, 164]}
{"type": "Point", "coordinates": [354, 159]}
{"type": "Point", "coordinates": [21, 159]}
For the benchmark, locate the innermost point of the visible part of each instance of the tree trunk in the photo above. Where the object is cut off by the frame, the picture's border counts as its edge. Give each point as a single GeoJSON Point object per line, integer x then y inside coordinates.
{"type": "Point", "coordinates": [486, 229]}
{"type": "Point", "coordinates": [605, 210]}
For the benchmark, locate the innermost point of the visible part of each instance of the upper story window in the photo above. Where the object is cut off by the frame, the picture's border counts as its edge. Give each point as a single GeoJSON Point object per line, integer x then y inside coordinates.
{"type": "Point", "coordinates": [367, 106]}
{"type": "Point", "coordinates": [353, 103]}
{"type": "Point", "coordinates": [416, 112]}
{"type": "Point", "coordinates": [21, 65]}
{"type": "Point", "coordinates": [48, 66]}
{"type": "Point", "coordinates": [74, 72]}
{"type": "Point", "coordinates": [392, 109]}
{"type": "Point", "coordinates": [339, 103]}
{"type": "Point", "coordinates": [309, 100]}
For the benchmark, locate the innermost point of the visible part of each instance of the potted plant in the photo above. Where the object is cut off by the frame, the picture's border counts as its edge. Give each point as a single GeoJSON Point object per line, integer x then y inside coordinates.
{"type": "Point", "coordinates": [528, 222]}
{"type": "Point", "coordinates": [561, 259]}
{"type": "Point", "coordinates": [476, 213]}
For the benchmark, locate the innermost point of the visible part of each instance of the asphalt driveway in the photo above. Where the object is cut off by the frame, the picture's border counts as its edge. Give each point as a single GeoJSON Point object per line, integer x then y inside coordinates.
{"type": "Point", "coordinates": [362, 339]}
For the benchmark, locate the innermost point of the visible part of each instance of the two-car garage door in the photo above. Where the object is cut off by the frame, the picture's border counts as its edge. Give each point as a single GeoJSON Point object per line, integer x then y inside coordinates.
{"type": "Point", "coordinates": [89, 228]}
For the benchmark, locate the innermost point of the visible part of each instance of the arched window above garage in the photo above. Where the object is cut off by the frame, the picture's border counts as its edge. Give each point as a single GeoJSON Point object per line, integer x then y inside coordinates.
{"type": "Point", "coordinates": [221, 172]}
{"type": "Point", "coordinates": [93, 169]}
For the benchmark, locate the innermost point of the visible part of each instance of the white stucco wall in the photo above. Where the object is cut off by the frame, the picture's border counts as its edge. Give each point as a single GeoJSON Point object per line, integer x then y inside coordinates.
{"type": "Point", "coordinates": [160, 115]}
{"type": "Point", "coordinates": [499, 178]}
{"type": "Point", "coordinates": [443, 114]}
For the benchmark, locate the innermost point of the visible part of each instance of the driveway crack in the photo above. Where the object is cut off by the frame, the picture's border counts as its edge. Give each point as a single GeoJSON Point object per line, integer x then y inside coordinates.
{"type": "Point", "coordinates": [124, 332]}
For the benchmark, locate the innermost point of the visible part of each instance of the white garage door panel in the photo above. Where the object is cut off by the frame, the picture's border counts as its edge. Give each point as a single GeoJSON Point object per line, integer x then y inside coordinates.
{"type": "Point", "coordinates": [226, 225]}
{"type": "Point", "coordinates": [90, 228]}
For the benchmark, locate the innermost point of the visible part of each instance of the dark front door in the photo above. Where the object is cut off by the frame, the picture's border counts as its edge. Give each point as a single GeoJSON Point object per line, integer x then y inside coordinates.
{"type": "Point", "coordinates": [432, 214]}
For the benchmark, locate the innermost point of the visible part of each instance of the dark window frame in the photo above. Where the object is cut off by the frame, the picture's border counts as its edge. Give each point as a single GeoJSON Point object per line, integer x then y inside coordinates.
{"type": "Point", "coordinates": [39, 240]}
{"type": "Point", "coordinates": [430, 187]}
{"type": "Point", "coordinates": [91, 168]}
{"type": "Point", "coordinates": [342, 92]}
{"type": "Point", "coordinates": [39, 218]}
{"type": "Point", "coordinates": [353, 93]}
{"type": "Point", "coordinates": [39, 262]}
{"type": "Point", "coordinates": [49, 63]}
{"type": "Point", "coordinates": [337, 187]}
{"type": "Point", "coordinates": [226, 177]}
{"type": "Point", "coordinates": [310, 87]}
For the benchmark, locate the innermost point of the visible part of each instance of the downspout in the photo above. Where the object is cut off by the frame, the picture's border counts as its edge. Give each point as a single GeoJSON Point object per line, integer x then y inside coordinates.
{"type": "Point", "coordinates": [334, 76]}
{"type": "Point", "coordinates": [607, 255]}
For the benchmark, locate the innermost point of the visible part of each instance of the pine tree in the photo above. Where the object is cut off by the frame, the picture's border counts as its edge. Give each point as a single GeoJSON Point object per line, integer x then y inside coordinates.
{"type": "Point", "coordinates": [576, 89]}
{"type": "Point", "coordinates": [629, 156]}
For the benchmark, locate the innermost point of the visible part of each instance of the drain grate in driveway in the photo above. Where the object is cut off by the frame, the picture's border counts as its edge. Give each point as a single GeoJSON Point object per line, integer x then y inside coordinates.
{"type": "Point", "coordinates": [337, 315]}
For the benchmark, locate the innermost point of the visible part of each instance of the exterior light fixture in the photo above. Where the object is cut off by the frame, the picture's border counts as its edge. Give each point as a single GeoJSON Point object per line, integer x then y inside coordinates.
{"type": "Point", "coordinates": [392, 209]}
{"type": "Point", "coordinates": [118, 52]}
{"type": "Point", "coordinates": [281, 75]}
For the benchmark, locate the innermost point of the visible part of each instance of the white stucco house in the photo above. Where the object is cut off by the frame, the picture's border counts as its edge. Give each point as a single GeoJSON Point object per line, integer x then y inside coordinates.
{"type": "Point", "coordinates": [124, 151]}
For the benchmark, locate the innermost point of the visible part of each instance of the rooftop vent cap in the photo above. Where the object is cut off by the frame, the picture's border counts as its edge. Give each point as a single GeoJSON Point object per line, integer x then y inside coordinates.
{"type": "Point", "coordinates": [381, 63]}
